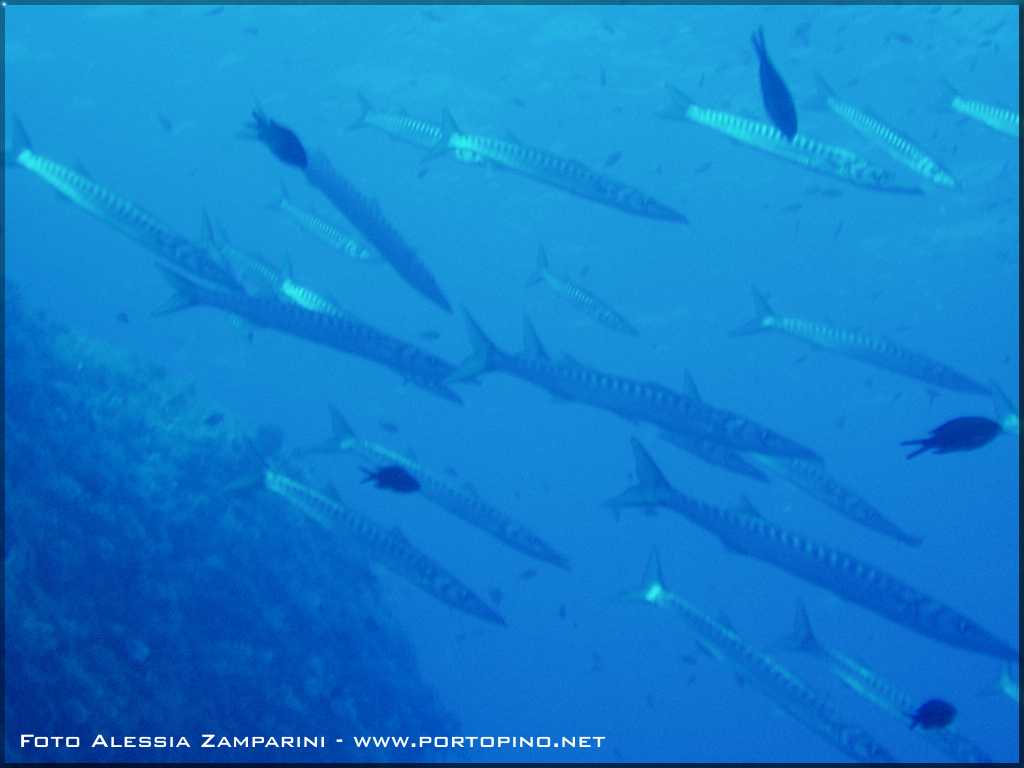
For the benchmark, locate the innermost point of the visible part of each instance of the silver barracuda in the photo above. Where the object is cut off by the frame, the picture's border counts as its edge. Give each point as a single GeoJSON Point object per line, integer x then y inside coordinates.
{"type": "Point", "coordinates": [997, 118]}
{"type": "Point", "coordinates": [387, 546]}
{"type": "Point", "coordinates": [398, 125]}
{"type": "Point", "coordinates": [323, 230]}
{"type": "Point", "coordinates": [563, 173]}
{"type": "Point", "coordinates": [787, 691]}
{"type": "Point", "coordinates": [899, 147]}
{"type": "Point", "coordinates": [873, 350]}
{"type": "Point", "coordinates": [270, 279]}
{"type": "Point", "coordinates": [462, 502]}
{"type": "Point", "coordinates": [814, 155]}
{"type": "Point", "coordinates": [630, 398]}
{"type": "Point", "coordinates": [882, 693]}
{"type": "Point", "coordinates": [340, 332]}
{"type": "Point", "coordinates": [745, 532]}
{"type": "Point", "coordinates": [118, 212]}
{"type": "Point", "coordinates": [579, 297]}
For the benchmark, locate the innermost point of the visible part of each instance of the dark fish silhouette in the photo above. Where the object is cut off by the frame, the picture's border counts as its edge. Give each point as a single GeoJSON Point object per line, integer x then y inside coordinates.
{"type": "Point", "coordinates": [213, 419]}
{"type": "Point", "coordinates": [934, 713]}
{"type": "Point", "coordinates": [963, 434]}
{"type": "Point", "coordinates": [122, 317]}
{"type": "Point", "coordinates": [280, 140]}
{"type": "Point", "coordinates": [778, 102]}
{"type": "Point", "coordinates": [393, 478]}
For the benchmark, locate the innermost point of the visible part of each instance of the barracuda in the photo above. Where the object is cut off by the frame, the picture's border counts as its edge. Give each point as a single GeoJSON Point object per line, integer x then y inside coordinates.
{"type": "Point", "coordinates": [874, 688]}
{"type": "Point", "coordinates": [323, 230]}
{"type": "Point", "coordinates": [997, 118]}
{"type": "Point", "coordinates": [630, 398]}
{"type": "Point", "coordinates": [461, 502]}
{"type": "Point", "coordinates": [121, 214]}
{"type": "Point", "coordinates": [398, 125]}
{"type": "Point", "coordinates": [873, 350]}
{"type": "Point", "coordinates": [560, 172]}
{"type": "Point", "coordinates": [899, 147]}
{"type": "Point", "coordinates": [761, 671]}
{"type": "Point", "coordinates": [814, 155]}
{"type": "Point", "coordinates": [580, 298]}
{"type": "Point", "coordinates": [341, 332]}
{"type": "Point", "coordinates": [274, 280]}
{"type": "Point", "coordinates": [389, 547]}
{"type": "Point", "coordinates": [745, 532]}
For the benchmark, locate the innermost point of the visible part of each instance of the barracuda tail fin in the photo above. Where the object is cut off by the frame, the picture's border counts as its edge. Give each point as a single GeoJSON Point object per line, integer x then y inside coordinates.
{"type": "Point", "coordinates": [533, 348]}
{"type": "Point", "coordinates": [542, 266]}
{"type": "Point", "coordinates": [365, 108]}
{"type": "Point", "coordinates": [185, 296]}
{"type": "Point", "coordinates": [448, 128]}
{"type": "Point", "coordinates": [17, 142]}
{"type": "Point", "coordinates": [1006, 414]}
{"type": "Point", "coordinates": [763, 315]}
{"type": "Point", "coordinates": [823, 92]}
{"type": "Point", "coordinates": [801, 638]}
{"type": "Point", "coordinates": [481, 359]}
{"type": "Point", "coordinates": [650, 482]}
{"type": "Point", "coordinates": [679, 104]}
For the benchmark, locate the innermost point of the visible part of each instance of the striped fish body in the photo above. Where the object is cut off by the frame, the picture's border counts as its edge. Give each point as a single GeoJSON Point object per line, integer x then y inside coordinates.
{"type": "Point", "coordinates": [901, 149]}
{"type": "Point", "coordinates": [327, 233]}
{"type": "Point", "coordinates": [566, 174]}
{"type": "Point", "coordinates": [876, 351]}
{"type": "Point", "coordinates": [816, 156]}
{"type": "Point", "coordinates": [588, 303]}
{"type": "Point", "coordinates": [811, 477]}
{"type": "Point", "coordinates": [838, 572]}
{"type": "Point", "coordinates": [464, 504]}
{"type": "Point", "coordinates": [774, 681]}
{"type": "Point", "coordinates": [366, 216]}
{"type": "Point", "coordinates": [389, 547]}
{"type": "Point", "coordinates": [647, 401]}
{"type": "Point", "coordinates": [996, 118]}
{"type": "Point", "coordinates": [341, 332]}
{"type": "Point", "coordinates": [419, 133]}
{"type": "Point", "coordinates": [127, 218]}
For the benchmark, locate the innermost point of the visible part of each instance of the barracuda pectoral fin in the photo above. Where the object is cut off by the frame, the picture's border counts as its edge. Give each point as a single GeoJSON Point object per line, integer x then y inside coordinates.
{"type": "Point", "coordinates": [533, 348]}
{"type": "Point", "coordinates": [365, 108]}
{"type": "Point", "coordinates": [448, 128]}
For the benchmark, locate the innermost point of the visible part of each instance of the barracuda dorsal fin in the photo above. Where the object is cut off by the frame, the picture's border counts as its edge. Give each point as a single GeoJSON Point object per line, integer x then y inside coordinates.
{"type": "Point", "coordinates": [208, 236]}
{"type": "Point", "coordinates": [448, 124]}
{"type": "Point", "coordinates": [763, 315]}
{"type": "Point", "coordinates": [801, 638]}
{"type": "Point", "coordinates": [745, 507]}
{"type": "Point", "coordinates": [365, 108]}
{"type": "Point", "coordinates": [690, 387]}
{"type": "Point", "coordinates": [650, 486]}
{"type": "Point", "coordinates": [542, 267]}
{"type": "Point", "coordinates": [17, 142]}
{"type": "Point", "coordinates": [652, 588]}
{"type": "Point", "coordinates": [533, 349]}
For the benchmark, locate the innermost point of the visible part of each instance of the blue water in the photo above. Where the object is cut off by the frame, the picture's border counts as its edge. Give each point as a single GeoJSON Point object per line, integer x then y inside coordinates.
{"type": "Point", "coordinates": [936, 272]}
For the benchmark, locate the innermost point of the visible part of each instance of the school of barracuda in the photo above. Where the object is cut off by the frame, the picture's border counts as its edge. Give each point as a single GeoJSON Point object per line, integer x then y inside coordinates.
{"type": "Point", "coordinates": [211, 272]}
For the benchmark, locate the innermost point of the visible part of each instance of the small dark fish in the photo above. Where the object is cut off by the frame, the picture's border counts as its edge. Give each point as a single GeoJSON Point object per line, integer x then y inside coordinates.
{"type": "Point", "coordinates": [122, 317]}
{"type": "Point", "coordinates": [791, 208]}
{"type": "Point", "coordinates": [215, 11]}
{"type": "Point", "coordinates": [900, 37]}
{"type": "Point", "coordinates": [213, 419]}
{"type": "Point", "coordinates": [839, 229]}
{"type": "Point", "coordinates": [165, 123]}
{"type": "Point", "coordinates": [934, 713]}
{"type": "Point", "coordinates": [604, 78]}
{"type": "Point", "coordinates": [280, 140]}
{"type": "Point", "coordinates": [387, 426]}
{"type": "Point", "coordinates": [252, 31]}
{"type": "Point", "coordinates": [422, 172]}
{"type": "Point", "coordinates": [963, 434]}
{"type": "Point", "coordinates": [608, 27]}
{"type": "Point", "coordinates": [561, 611]}
{"type": "Point", "coordinates": [778, 102]}
{"type": "Point", "coordinates": [612, 159]}
{"type": "Point", "coordinates": [528, 574]}
{"type": "Point", "coordinates": [519, 102]}
{"type": "Point", "coordinates": [702, 167]}
{"type": "Point", "coordinates": [392, 478]}
{"type": "Point", "coordinates": [430, 335]}
{"type": "Point", "coordinates": [431, 15]}
{"type": "Point", "coordinates": [649, 700]}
